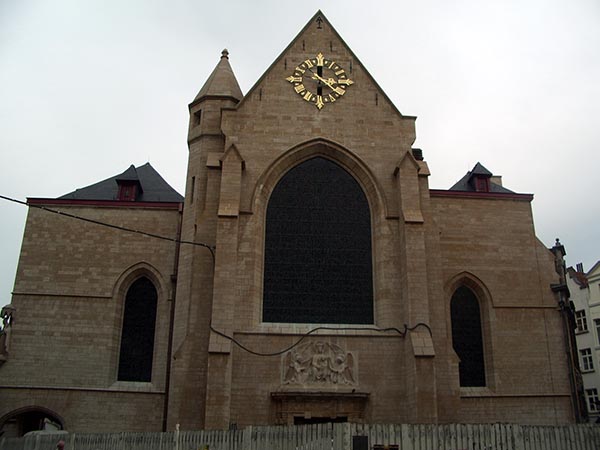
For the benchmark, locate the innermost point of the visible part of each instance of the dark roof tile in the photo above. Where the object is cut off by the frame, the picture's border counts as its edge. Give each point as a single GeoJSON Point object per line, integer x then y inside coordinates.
{"type": "Point", "coordinates": [154, 187]}
{"type": "Point", "coordinates": [464, 184]}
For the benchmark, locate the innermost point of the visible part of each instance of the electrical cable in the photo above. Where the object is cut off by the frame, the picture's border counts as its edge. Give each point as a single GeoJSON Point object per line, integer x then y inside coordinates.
{"type": "Point", "coordinates": [402, 333]}
{"type": "Point", "coordinates": [116, 227]}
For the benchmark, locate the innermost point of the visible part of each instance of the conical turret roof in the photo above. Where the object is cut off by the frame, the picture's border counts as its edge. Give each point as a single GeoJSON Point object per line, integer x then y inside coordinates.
{"type": "Point", "coordinates": [222, 81]}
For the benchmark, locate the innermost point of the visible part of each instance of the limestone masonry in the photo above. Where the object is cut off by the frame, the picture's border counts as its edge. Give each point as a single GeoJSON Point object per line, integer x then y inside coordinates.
{"type": "Point", "coordinates": [361, 294]}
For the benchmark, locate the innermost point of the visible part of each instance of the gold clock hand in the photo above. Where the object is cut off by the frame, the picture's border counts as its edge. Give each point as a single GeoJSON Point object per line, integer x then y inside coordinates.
{"type": "Point", "coordinates": [329, 82]}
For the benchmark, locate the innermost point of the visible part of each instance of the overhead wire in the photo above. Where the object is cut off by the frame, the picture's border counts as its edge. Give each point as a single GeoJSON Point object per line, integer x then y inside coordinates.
{"type": "Point", "coordinates": [401, 333]}
{"type": "Point", "coordinates": [110, 225]}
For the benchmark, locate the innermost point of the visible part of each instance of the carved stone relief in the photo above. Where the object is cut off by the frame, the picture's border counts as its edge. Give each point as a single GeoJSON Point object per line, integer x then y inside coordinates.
{"type": "Point", "coordinates": [6, 314]}
{"type": "Point", "coordinates": [319, 364]}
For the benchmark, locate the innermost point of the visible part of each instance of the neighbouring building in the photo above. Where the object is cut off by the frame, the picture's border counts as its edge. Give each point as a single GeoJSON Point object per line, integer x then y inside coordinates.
{"type": "Point", "coordinates": [314, 276]}
{"type": "Point", "coordinates": [593, 287]}
{"type": "Point", "coordinates": [586, 331]}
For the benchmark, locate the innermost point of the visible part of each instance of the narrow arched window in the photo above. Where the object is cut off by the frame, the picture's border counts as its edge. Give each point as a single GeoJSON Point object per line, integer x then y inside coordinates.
{"type": "Point", "coordinates": [466, 337]}
{"type": "Point", "coordinates": [137, 335]}
{"type": "Point", "coordinates": [318, 265]}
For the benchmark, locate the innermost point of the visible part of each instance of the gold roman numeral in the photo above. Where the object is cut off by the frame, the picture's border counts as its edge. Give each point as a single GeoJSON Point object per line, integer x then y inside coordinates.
{"type": "Point", "coordinates": [340, 90]}
{"type": "Point", "coordinates": [308, 96]}
{"type": "Point", "coordinates": [320, 103]}
{"type": "Point", "coordinates": [308, 63]}
{"type": "Point", "coordinates": [298, 69]}
{"type": "Point", "coordinates": [346, 81]}
{"type": "Point", "coordinates": [320, 59]}
{"type": "Point", "coordinates": [339, 72]}
{"type": "Point", "coordinates": [331, 98]}
{"type": "Point", "coordinates": [299, 88]}
{"type": "Point", "coordinates": [293, 79]}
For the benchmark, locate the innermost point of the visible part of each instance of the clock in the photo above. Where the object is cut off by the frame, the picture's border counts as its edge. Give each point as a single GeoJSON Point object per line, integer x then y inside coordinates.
{"type": "Point", "coordinates": [320, 81]}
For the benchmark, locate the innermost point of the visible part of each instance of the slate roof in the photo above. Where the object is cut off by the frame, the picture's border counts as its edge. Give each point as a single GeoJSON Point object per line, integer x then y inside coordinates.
{"type": "Point", "coordinates": [153, 187]}
{"type": "Point", "coordinates": [480, 170]}
{"type": "Point", "coordinates": [222, 81]}
{"type": "Point", "coordinates": [464, 183]}
{"type": "Point", "coordinates": [129, 175]}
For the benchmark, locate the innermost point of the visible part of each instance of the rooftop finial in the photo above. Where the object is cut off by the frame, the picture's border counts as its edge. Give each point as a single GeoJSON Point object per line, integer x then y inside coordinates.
{"type": "Point", "coordinates": [225, 53]}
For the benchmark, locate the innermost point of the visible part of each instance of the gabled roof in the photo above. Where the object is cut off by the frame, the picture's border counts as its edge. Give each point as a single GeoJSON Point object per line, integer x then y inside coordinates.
{"type": "Point", "coordinates": [129, 175]}
{"type": "Point", "coordinates": [322, 20]}
{"type": "Point", "coordinates": [154, 187]}
{"type": "Point", "coordinates": [480, 170]}
{"type": "Point", "coordinates": [593, 269]}
{"type": "Point", "coordinates": [221, 82]}
{"type": "Point", "coordinates": [578, 277]}
{"type": "Point", "coordinates": [465, 185]}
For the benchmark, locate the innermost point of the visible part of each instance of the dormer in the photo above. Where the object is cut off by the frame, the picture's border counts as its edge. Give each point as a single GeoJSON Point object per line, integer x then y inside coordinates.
{"type": "Point", "coordinates": [130, 188]}
{"type": "Point", "coordinates": [480, 180]}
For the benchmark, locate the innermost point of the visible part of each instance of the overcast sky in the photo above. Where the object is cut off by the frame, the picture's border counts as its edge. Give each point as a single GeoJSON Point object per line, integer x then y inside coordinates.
{"type": "Point", "coordinates": [89, 87]}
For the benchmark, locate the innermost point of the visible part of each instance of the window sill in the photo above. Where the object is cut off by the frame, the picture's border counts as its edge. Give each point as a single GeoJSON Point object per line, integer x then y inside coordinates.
{"type": "Point", "coordinates": [578, 332]}
{"type": "Point", "coordinates": [133, 386]}
{"type": "Point", "coordinates": [479, 391]}
{"type": "Point", "coordinates": [325, 329]}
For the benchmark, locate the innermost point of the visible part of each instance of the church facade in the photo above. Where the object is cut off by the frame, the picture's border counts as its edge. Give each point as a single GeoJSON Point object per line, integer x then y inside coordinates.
{"type": "Point", "coordinates": [314, 276]}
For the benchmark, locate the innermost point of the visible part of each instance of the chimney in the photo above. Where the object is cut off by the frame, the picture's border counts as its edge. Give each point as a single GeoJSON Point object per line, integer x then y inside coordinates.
{"type": "Point", "coordinates": [580, 267]}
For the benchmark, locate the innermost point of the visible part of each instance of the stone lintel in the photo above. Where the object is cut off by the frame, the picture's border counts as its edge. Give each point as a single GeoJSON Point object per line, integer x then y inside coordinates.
{"type": "Point", "coordinates": [320, 394]}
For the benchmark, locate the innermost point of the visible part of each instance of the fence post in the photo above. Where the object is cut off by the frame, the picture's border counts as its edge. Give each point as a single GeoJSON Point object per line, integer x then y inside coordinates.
{"type": "Point", "coordinates": [176, 436]}
{"type": "Point", "coordinates": [247, 438]}
{"type": "Point", "coordinates": [517, 434]}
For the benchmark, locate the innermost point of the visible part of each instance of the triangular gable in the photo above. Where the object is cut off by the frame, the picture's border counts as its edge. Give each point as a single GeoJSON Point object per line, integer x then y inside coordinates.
{"type": "Point", "coordinates": [321, 21]}
{"type": "Point", "coordinates": [232, 152]}
{"type": "Point", "coordinates": [129, 175]}
{"type": "Point", "coordinates": [594, 269]}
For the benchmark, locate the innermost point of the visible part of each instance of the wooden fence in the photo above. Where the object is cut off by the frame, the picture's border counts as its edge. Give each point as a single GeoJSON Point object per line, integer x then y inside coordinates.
{"type": "Point", "coordinates": [333, 437]}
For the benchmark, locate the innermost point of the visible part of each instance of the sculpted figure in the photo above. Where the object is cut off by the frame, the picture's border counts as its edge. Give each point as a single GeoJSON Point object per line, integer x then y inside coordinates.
{"type": "Point", "coordinates": [318, 363]}
{"type": "Point", "coordinates": [7, 318]}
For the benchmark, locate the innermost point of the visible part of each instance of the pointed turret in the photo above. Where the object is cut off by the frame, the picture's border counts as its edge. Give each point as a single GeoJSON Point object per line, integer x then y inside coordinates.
{"type": "Point", "coordinates": [221, 82]}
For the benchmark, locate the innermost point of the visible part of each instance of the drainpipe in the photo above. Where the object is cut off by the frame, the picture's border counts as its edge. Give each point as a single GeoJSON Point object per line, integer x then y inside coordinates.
{"type": "Point", "coordinates": [172, 319]}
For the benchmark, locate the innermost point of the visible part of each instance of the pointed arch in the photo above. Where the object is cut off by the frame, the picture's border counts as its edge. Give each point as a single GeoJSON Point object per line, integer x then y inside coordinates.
{"type": "Point", "coordinates": [318, 256]}
{"type": "Point", "coordinates": [329, 150]}
{"type": "Point", "coordinates": [136, 350]}
{"type": "Point", "coordinates": [469, 309]}
{"type": "Point", "coordinates": [137, 291]}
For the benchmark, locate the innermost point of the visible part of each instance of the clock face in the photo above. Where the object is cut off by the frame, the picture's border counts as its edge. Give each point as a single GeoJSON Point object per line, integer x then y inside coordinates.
{"type": "Point", "coordinates": [320, 81]}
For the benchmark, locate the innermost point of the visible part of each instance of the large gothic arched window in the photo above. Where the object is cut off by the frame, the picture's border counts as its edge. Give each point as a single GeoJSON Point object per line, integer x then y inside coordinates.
{"type": "Point", "coordinates": [137, 335]}
{"type": "Point", "coordinates": [318, 248]}
{"type": "Point", "coordinates": [466, 337]}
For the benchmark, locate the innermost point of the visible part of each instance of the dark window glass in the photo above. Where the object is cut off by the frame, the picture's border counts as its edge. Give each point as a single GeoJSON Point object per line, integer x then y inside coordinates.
{"type": "Point", "coordinates": [466, 337]}
{"type": "Point", "coordinates": [137, 336]}
{"type": "Point", "coordinates": [318, 248]}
